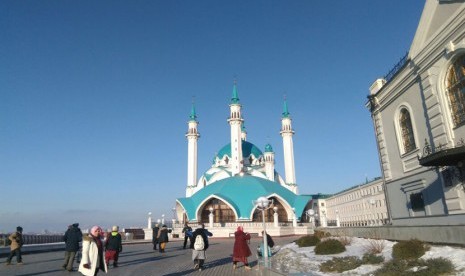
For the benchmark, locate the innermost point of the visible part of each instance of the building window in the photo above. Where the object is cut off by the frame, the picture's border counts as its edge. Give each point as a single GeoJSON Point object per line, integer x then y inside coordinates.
{"type": "Point", "coordinates": [416, 202]}
{"type": "Point", "coordinates": [455, 87]}
{"type": "Point", "coordinates": [406, 129]}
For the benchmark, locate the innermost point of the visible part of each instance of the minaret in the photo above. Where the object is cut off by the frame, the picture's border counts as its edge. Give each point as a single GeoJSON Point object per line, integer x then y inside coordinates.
{"type": "Point", "coordinates": [243, 132]}
{"type": "Point", "coordinates": [288, 146]}
{"type": "Point", "coordinates": [269, 162]}
{"type": "Point", "coordinates": [192, 136]}
{"type": "Point", "coordinates": [235, 121]}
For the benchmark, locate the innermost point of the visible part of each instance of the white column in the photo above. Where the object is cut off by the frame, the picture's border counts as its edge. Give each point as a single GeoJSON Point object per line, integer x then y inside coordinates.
{"type": "Point", "coordinates": [149, 221]}
{"type": "Point", "coordinates": [163, 219]}
{"type": "Point", "coordinates": [338, 222]}
{"type": "Point", "coordinates": [275, 217]}
{"type": "Point", "coordinates": [294, 218]}
{"type": "Point", "coordinates": [210, 218]}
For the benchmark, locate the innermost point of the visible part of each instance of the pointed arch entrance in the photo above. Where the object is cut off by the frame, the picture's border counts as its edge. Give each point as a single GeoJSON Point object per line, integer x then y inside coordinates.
{"type": "Point", "coordinates": [269, 213]}
{"type": "Point", "coordinates": [221, 212]}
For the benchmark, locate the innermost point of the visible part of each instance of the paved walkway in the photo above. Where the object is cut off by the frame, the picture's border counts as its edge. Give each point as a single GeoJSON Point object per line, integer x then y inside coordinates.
{"type": "Point", "coordinates": [140, 260]}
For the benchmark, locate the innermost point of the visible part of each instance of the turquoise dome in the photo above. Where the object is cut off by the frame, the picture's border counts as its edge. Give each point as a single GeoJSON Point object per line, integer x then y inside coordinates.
{"type": "Point", "coordinates": [247, 150]}
{"type": "Point", "coordinates": [268, 148]}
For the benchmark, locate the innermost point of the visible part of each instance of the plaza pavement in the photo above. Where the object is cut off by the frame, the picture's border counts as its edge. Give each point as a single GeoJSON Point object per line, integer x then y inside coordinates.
{"type": "Point", "coordinates": [139, 259]}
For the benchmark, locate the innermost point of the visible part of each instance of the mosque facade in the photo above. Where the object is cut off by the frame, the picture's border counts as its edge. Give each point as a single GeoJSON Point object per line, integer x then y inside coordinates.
{"type": "Point", "coordinates": [240, 173]}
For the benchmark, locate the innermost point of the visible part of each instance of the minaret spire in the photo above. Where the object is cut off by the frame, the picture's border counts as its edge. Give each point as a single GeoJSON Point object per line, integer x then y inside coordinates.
{"type": "Point", "coordinates": [235, 121]}
{"type": "Point", "coordinates": [287, 132]}
{"type": "Point", "coordinates": [192, 136]}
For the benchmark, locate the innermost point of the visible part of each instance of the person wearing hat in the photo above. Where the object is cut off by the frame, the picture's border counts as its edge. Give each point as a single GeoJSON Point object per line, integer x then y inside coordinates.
{"type": "Point", "coordinates": [113, 246]}
{"type": "Point", "coordinates": [92, 253]}
{"type": "Point", "coordinates": [15, 246]}
{"type": "Point", "coordinates": [163, 238]}
{"type": "Point", "coordinates": [72, 238]}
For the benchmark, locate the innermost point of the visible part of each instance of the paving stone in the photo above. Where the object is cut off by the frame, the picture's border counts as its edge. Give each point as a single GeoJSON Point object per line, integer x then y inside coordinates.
{"type": "Point", "coordinates": [139, 259]}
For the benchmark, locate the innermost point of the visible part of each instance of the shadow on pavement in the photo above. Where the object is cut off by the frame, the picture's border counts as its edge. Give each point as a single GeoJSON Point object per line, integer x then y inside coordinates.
{"type": "Point", "coordinates": [40, 273]}
{"type": "Point", "coordinates": [145, 260]}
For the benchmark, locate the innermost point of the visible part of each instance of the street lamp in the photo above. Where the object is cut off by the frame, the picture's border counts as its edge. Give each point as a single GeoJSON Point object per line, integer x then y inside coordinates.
{"type": "Point", "coordinates": [262, 204]}
{"type": "Point", "coordinates": [163, 219]}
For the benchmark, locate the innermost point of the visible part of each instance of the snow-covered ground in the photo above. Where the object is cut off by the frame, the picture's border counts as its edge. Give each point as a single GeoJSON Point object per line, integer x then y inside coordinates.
{"type": "Point", "coordinates": [293, 260]}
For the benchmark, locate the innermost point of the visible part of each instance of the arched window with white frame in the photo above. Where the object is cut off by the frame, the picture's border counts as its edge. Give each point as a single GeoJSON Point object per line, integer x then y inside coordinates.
{"type": "Point", "coordinates": [406, 131]}
{"type": "Point", "coordinates": [455, 89]}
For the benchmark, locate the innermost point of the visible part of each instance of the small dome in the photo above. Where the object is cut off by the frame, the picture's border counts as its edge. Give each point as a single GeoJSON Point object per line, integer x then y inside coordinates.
{"type": "Point", "coordinates": [268, 148]}
{"type": "Point", "coordinates": [247, 149]}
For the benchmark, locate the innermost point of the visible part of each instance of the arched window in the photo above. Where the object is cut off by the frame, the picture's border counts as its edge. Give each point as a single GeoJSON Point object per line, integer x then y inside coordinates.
{"type": "Point", "coordinates": [408, 139]}
{"type": "Point", "coordinates": [221, 212]}
{"type": "Point", "coordinates": [269, 213]}
{"type": "Point", "coordinates": [455, 87]}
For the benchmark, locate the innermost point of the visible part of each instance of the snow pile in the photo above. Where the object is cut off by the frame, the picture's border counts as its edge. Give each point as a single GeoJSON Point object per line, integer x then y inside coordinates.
{"type": "Point", "coordinates": [292, 260]}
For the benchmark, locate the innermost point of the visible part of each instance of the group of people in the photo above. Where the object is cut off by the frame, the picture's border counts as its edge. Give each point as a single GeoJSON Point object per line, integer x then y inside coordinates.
{"type": "Point", "coordinates": [199, 244]}
{"type": "Point", "coordinates": [98, 250]}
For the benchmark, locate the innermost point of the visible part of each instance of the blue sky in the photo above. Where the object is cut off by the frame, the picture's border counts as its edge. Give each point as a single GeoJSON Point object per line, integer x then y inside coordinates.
{"type": "Point", "coordinates": [95, 97]}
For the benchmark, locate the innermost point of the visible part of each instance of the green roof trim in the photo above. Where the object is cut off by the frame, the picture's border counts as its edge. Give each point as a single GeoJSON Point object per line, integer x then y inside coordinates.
{"type": "Point", "coordinates": [232, 191]}
{"type": "Point", "coordinates": [193, 115]}
{"type": "Point", "coordinates": [235, 97]}
{"type": "Point", "coordinates": [285, 110]}
{"type": "Point", "coordinates": [247, 149]}
{"type": "Point", "coordinates": [268, 148]}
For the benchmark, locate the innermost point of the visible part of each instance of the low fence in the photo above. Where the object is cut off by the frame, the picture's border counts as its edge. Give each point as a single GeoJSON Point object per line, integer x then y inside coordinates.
{"type": "Point", "coordinates": [32, 239]}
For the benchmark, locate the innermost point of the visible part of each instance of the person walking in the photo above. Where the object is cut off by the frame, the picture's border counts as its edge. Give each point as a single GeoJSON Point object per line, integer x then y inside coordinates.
{"type": "Point", "coordinates": [15, 247]}
{"type": "Point", "coordinates": [199, 247]}
{"type": "Point", "coordinates": [113, 246]}
{"type": "Point", "coordinates": [92, 253]}
{"type": "Point", "coordinates": [72, 238]}
{"type": "Point", "coordinates": [270, 244]}
{"type": "Point", "coordinates": [155, 235]}
{"type": "Point", "coordinates": [162, 238]}
{"type": "Point", "coordinates": [187, 230]}
{"type": "Point", "coordinates": [241, 248]}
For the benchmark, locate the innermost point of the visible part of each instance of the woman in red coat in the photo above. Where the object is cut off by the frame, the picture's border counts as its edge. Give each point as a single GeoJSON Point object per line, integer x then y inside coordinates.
{"type": "Point", "coordinates": [241, 248]}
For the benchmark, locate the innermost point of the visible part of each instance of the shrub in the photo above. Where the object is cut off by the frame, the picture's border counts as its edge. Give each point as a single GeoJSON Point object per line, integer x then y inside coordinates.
{"type": "Point", "coordinates": [341, 264]}
{"type": "Point", "coordinates": [420, 267]}
{"type": "Point", "coordinates": [408, 250]}
{"type": "Point", "coordinates": [375, 246]}
{"type": "Point", "coordinates": [330, 246]}
{"type": "Point", "coordinates": [345, 240]}
{"type": "Point", "coordinates": [438, 266]}
{"type": "Point", "coordinates": [372, 259]}
{"type": "Point", "coordinates": [308, 240]}
{"type": "Point", "coordinates": [321, 234]}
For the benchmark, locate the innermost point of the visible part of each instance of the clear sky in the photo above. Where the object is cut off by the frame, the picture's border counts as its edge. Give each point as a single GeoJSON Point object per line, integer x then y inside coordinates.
{"type": "Point", "coordinates": [95, 97]}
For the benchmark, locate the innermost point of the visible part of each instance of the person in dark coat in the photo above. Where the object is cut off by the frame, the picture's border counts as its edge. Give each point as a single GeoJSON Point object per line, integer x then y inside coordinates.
{"type": "Point", "coordinates": [72, 238]}
{"type": "Point", "coordinates": [16, 240]}
{"type": "Point", "coordinates": [187, 230]}
{"type": "Point", "coordinates": [162, 238]}
{"type": "Point", "coordinates": [269, 242]}
{"type": "Point", "coordinates": [113, 246]}
{"type": "Point", "coordinates": [154, 236]}
{"type": "Point", "coordinates": [199, 256]}
{"type": "Point", "coordinates": [241, 248]}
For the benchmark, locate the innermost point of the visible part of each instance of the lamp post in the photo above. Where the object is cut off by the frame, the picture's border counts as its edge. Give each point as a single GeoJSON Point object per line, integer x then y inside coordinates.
{"type": "Point", "coordinates": [210, 216]}
{"type": "Point", "coordinates": [262, 204]}
{"type": "Point", "coordinates": [163, 219]}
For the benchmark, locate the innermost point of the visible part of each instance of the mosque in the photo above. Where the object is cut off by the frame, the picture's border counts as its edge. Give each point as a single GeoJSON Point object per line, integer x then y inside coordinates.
{"type": "Point", "coordinates": [223, 196]}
